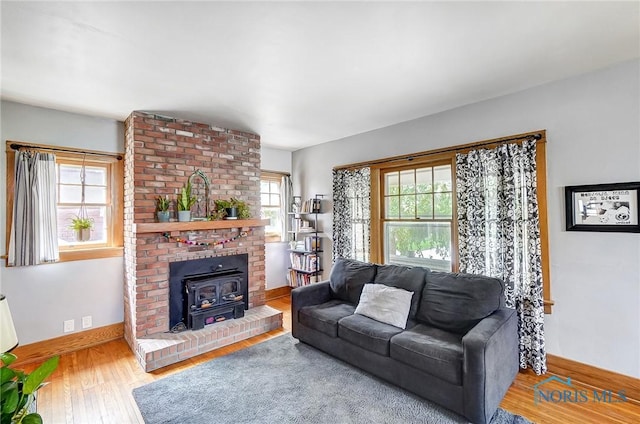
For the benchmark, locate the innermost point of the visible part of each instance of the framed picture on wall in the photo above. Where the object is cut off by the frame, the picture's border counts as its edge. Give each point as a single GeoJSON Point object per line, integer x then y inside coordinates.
{"type": "Point", "coordinates": [603, 207]}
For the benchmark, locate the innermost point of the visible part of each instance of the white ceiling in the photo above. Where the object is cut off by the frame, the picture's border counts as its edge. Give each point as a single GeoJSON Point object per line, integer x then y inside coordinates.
{"type": "Point", "coordinates": [300, 73]}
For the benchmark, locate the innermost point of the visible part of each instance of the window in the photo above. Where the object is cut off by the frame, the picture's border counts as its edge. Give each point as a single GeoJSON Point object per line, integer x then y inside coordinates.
{"type": "Point", "coordinates": [418, 216]}
{"type": "Point", "coordinates": [413, 209]}
{"type": "Point", "coordinates": [271, 208]}
{"type": "Point", "coordinates": [104, 184]}
{"type": "Point", "coordinates": [98, 203]}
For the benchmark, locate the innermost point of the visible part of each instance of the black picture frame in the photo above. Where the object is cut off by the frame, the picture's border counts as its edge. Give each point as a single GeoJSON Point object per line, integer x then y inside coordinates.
{"type": "Point", "coordinates": [611, 207]}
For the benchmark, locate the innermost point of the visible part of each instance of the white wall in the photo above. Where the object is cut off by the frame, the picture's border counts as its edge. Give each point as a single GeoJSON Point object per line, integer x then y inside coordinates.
{"type": "Point", "coordinates": [593, 133]}
{"type": "Point", "coordinates": [42, 297]}
{"type": "Point", "coordinates": [276, 255]}
{"type": "Point", "coordinates": [275, 159]}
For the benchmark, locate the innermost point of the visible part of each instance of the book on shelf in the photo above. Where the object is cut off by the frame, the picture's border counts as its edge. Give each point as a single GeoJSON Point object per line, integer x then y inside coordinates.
{"type": "Point", "coordinates": [303, 262]}
{"type": "Point", "coordinates": [311, 206]}
{"type": "Point", "coordinates": [312, 243]}
{"type": "Point", "coordinates": [297, 279]}
{"type": "Point", "coordinates": [302, 226]}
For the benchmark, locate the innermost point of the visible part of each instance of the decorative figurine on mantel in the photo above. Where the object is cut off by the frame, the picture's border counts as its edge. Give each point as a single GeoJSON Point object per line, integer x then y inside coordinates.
{"type": "Point", "coordinates": [200, 186]}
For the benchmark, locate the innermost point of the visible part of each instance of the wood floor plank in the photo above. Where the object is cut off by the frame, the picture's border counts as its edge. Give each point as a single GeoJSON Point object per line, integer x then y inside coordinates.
{"type": "Point", "coordinates": [94, 385]}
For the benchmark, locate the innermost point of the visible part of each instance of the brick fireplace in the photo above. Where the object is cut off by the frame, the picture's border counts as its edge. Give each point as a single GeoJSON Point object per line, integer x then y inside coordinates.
{"type": "Point", "coordinates": [161, 153]}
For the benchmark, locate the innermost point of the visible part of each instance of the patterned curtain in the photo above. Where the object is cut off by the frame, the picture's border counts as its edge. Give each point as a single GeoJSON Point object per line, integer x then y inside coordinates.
{"type": "Point", "coordinates": [499, 234]}
{"type": "Point", "coordinates": [34, 230]}
{"type": "Point", "coordinates": [351, 213]}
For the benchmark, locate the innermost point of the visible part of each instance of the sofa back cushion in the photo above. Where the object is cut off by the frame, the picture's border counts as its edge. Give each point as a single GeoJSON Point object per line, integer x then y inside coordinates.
{"type": "Point", "coordinates": [404, 277]}
{"type": "Point", "coordinates": [347, 278]}
{"type": "Point", "coordinates": [457, 302]}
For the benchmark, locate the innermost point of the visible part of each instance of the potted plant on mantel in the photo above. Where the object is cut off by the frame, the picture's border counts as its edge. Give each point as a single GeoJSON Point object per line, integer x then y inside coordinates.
{"type": "Point", "coordinates": [231, 209]}
{"type": "Point", "coordinates": [82, 226]}
{"type": "Point", "coordinates": [184, 202]}
{"type": "Point", "coordinates": [162, 207]}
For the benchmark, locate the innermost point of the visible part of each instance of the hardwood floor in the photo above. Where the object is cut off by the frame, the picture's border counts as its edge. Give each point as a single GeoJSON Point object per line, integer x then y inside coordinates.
{"type": "Point", "coordinates": [94, 386]}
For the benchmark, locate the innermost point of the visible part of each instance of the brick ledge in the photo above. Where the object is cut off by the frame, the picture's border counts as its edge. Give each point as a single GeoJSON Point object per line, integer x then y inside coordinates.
{"type": "Point", "coordinates": [164, 349]}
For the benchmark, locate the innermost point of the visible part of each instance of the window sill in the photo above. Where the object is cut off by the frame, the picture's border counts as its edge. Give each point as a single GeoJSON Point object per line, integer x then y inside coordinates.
{"type": "Point", "coordinates": [97, 253]}
{"type": "Point", "coordinates": [273, 238]}
{"type": "Point", "coordinates": [82, 254]}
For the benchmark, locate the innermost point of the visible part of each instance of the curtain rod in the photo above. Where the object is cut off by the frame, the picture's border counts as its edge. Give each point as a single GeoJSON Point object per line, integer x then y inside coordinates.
{"type": "Point", "coordinates": [16, 146]}
{"type": "Point", "coordinates": [410, 157]}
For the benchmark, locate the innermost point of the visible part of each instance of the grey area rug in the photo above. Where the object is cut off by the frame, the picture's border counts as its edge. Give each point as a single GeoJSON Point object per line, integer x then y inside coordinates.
{"type": "Point", "coordinates": [285, 381]}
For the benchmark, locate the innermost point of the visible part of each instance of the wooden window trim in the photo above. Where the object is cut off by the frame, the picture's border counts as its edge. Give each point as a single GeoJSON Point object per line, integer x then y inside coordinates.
{"type": "Point", "coordinates": [276, 177]}
{"type": "Point", "coordinates": [376, 248]}
{"type": "Point", "coordinates": [272, 238]}
{"type": "Point", "coordinates": [67, 159]}
{"type": "Point", "coordinates": [115, 245]}
{"type": "Point", "coordinates": [414, 160]}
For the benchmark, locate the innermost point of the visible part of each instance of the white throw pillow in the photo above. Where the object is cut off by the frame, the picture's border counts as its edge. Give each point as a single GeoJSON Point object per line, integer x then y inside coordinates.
{"type": "Point", "coordinates": [385, 304]}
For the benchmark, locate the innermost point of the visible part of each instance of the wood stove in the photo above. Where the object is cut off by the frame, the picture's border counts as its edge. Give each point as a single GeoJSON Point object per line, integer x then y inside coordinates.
{"type": "Point", "coordinates": [213, 297]}
{"type": "Point", "coordinates": [206, 291]}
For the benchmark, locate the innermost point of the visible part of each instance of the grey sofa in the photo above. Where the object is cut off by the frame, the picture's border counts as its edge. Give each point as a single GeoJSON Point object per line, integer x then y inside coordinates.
{"type": "Point", "coordinates": [459, 348]}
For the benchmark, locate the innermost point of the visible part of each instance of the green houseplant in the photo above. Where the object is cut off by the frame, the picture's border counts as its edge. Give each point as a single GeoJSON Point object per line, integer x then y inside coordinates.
{"type": "Point", "coordinates": [231, 209]}
{"type": "Point", "coordinates": [162, 208]}
{"type": "Point", "coordinates": [184, 202]}
{"type": "Point", "coordinates": [82, 226]}
{"type": "Point", "coordinates": [18, 389]}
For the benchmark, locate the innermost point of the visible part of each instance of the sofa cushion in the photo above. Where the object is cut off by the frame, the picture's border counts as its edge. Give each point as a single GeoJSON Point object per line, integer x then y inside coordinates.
{"type": "Point", "coordinates": [431, 350]}
{"type": "Point", "coordinates": [404, 277]}
{"type": "Point", "coordinates": [389, 305]}
{"type": "Point", "coordinates": [324, 317]}
{"type": "Point", "coordinates": [348, 277]}
{"type": "Point", "coordinates": [457, 302]}
{"type": "Point", "coordinates": [367, 333]}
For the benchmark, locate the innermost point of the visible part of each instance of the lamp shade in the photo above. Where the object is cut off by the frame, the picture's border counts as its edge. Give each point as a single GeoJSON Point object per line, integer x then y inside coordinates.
{"type": "Point", "coordinates": [8, 336]}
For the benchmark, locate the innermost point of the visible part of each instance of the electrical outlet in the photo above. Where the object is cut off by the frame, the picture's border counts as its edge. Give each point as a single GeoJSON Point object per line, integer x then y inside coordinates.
{"type": "Point", "coordinates": [87, 322]}
{"type": "Point", "coordinates": [69, 325]}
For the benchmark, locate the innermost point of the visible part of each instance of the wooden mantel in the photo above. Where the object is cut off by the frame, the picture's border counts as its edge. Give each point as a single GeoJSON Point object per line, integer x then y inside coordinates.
{"type": "Point", "coordinates": [162, 227]}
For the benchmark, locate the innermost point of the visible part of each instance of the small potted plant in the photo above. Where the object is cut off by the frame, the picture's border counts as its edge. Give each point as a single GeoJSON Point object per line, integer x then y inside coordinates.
{"type": "Point", "coordinates": [232, 209]}
{"type": "Point", "coordinates": [17, 403]}
{"type": "Point", "coordinates": [184, 202]}
{"type": "Point", "coordinates": [82, 226]}
{"type": "Point", "coordinates": [162, 207]}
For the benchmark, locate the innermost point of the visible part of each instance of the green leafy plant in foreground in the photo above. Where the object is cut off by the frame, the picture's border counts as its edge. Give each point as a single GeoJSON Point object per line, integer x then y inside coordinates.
{"type": "Point", "coordinates": [17, 390]}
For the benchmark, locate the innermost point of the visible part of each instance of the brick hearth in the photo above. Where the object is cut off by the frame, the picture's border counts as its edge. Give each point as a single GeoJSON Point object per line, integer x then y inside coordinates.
{"type": "Point", "coordinates": [168, 348]}
{"type": "Point", "coordinates": [160, 155]}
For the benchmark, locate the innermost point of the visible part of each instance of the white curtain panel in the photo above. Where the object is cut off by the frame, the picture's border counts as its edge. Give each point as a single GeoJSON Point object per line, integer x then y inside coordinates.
{"type": "Point", "coordinates": [34, 231]}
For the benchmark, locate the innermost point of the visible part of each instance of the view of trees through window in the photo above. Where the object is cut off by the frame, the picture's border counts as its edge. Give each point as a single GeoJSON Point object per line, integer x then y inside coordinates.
{"type": "Point", "coordinates": [418, 216]}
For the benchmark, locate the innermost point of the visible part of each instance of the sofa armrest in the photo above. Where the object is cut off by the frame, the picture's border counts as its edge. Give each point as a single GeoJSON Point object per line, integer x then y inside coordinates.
{"type": "Point", "coordinates": [491, 361]}
{"type": "Point", "coordinates": [313, 294]}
